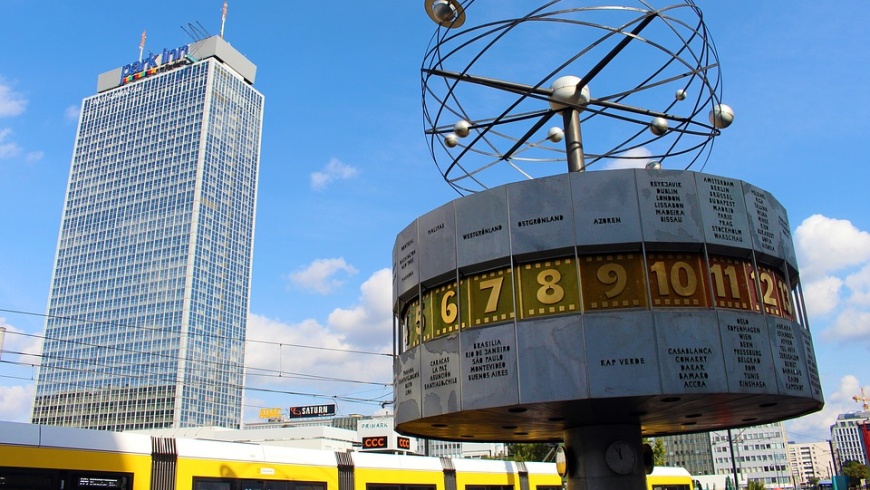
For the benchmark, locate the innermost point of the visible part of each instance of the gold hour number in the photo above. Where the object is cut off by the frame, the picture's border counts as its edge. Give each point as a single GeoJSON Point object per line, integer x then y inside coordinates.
{"type": "Point", "coordinates": [767, 289]}
{"type": "Point", "coordinates": [448, 309]}
{"type": "Point", "coordinates": [494, 285]}
{"type": "Point", "coordinates": [720, 274]}
{"type": "Point", "coordinates": [770, 292]}
{"type": "Point", "coordinates": [490, 298]}
{"type": "Point", "coordinates": [674, 280]}
{"type": "Point", "coordinates": [613, 281]}
{"type": "Point", "coordinates": [730, 283]}
{"type": "Point", "coordinates": [615, 275]}
{"type": "Point", "coordinates": [550, 291]}
{"type": "Point", "coordinates": [681, 278]}
{"type": "Point", "coordinates": [548, 287]}
{"type": "Point", "coordinates": [785, 295]}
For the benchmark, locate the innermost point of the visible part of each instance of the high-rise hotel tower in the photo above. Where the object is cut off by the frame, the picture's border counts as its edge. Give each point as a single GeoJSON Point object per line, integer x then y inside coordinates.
{"type": "Point", "coordinates": [149, 297]}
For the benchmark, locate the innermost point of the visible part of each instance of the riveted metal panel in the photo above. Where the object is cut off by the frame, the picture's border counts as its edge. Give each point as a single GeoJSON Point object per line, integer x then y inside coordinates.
{"type": "Point", "coordinates": [541, 214]}
{"type": "Point", "coordinates": [482, 230]}
{"type": "Point", "coordinates": [690, 352]}
{"type": "Point", "coordinates": [812, 367]}
{"type": "Point", "coordinates": [789, 355]}
{"type": "Point", "coordinates": [437, 243]}
{"type": "Point", "coordinates": [669, 210]}
{"type": "Point", "coordinates": [605, 208]}
{"type": "Point", "coordinates": [408, 261]}
{"type": "Point", "coordinates": [723, 211]}
{"type": "Point", "coordinates": [408, 386]}
{"type": "Point", "coordinates": [621, 354]}
{"type": "Point", "coordinates": [786, 243]}
{"type": "Point", "coordinates": [552, 360]}
{"type": "Point", "coordinates": [439, 375]}
{"type": "Point", "coordinates": [489, 367]}
{"type": "Point", "coordinates": [765, 232]}
{"type": "Point", "coordinates": [746, 349]}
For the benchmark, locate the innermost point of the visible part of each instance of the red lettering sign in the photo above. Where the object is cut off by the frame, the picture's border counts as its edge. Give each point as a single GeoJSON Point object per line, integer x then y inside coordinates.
{"type": "Point", "coordinates": [374, 442]}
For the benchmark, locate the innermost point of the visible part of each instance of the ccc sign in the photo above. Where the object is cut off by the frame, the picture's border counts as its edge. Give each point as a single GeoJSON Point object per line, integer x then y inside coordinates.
{"type": "Point", "coordinates": [404, 443]}
{"type": "Point", "coordinates": [379, 442]}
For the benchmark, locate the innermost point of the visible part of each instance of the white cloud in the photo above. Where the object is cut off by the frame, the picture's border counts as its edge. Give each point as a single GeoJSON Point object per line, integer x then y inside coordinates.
{"type": "Point", "coordinates": [11, 103]}
{"type": "Point", "coordinates": [334, 170]}
{"type": "Point", "coordinates": [835, 271]}
{"type": "Point", "coordinates": [320, 275]}
{"type": "Point", "coordinates": [859, 286]}
{"type": "Point", "coordinates": [822, 296]}
{"type": "Point", "coordinates": [8, 149]}
{"type": "Point", "coordinates": [827, 245]}
{"type": "Point", "coordinates": [16, 403]}
{"type": "Point", "coordinates": [634, 158]}
{"type": "Point", "coordinates": [851, 325]}
{"type": "Point", "coordinates": [281, 364]}
{"type": "Point", "coordinates": [372, 318]}
{"type": "Point", "coordinates": [71, 113]}
{"type": "Point", "coordinates": [19, 346]}
{"type": "Point", "coordinates": [34, 156]}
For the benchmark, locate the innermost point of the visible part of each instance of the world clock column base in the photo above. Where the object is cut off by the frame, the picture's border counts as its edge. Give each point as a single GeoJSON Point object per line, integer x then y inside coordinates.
{"type": "Point", "coordinates": [604, 457]}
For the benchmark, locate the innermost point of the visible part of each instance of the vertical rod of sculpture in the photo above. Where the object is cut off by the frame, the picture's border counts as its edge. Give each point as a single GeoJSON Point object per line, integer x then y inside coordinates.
{"type": "Point", "coordinates": [573, 140]}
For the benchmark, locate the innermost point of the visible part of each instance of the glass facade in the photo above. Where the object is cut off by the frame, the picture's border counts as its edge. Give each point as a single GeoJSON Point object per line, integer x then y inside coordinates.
{"type": "Point", "coordinates": [149, 297]}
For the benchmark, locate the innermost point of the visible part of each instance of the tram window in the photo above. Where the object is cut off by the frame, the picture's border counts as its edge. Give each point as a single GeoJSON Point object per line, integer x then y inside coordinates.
{"type": "Point", "coordinates": [490, 487]}
{"type": "Point", "coordinates": [548, 487]}
{"type": "Point", "coordinates": [672, 486]}
{"type": "Point", "coordinates": [90, 480]}
{"type": "Point", "coordinates": [245, 484]}
{"type": "Point", "coordinates": [27, 480]}
{"type": "Point", "coordinates": [199, 484]}
{"type": "Point", "coordinates": [382, 486]}
{"type": "Point", "coordinates": [47, 479]}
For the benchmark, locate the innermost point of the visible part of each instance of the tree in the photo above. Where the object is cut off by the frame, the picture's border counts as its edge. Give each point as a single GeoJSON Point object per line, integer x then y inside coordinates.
{"type": "Point", "coordinates": [660, 454]}
{"type": "Point", "coordinates": [533, 451]}
{"type": "Point", "coordinates": [755, 485]}
{"type": "Point", "coordinates": [855, 471]}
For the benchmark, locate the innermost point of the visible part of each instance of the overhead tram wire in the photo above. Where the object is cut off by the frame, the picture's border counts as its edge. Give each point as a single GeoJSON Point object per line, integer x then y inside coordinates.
{"type": "Point", "coordinates": [263, 372]}
{"type": "Point", "coordinates": [152, 375]}
{"type": "Point", "coordinates": [171, 379]}
{"type": "Point", "coordinates": [204, 334]}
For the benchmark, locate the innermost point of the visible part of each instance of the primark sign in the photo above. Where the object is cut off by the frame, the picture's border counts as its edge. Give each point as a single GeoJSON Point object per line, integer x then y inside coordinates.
{"type": "Point", "coordinates": [166, 60]}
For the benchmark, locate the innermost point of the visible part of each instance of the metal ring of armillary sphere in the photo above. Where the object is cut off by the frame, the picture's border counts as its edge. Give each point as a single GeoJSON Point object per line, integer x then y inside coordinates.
{"type": "Point", "coordinates": [590, 87]}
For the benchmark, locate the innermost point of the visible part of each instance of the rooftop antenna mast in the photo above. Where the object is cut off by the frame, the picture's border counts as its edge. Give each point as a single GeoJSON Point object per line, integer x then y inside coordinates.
{"type": "Point", "coordinates": [142, 45]}
{"type": "Point", "coordinates": [223, 18]}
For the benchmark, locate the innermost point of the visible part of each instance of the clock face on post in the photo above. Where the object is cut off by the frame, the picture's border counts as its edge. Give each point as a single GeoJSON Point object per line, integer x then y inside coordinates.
{"type": "Point", "coordinates": [621, 457]}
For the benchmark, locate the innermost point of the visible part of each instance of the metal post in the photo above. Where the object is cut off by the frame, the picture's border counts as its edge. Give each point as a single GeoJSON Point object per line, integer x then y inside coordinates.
{"type": "Point", "coordinates": [733, 461]}
{"type": "Point", "coordinates": [573, 140]}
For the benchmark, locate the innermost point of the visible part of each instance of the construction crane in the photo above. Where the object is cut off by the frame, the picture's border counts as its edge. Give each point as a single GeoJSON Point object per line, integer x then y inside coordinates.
{"type": "Point", "coordinates": [863, 399]}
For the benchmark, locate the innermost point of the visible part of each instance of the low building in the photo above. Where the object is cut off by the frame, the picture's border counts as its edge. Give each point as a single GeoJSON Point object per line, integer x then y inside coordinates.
{"type": "Point", "coordinates": [810, 462]}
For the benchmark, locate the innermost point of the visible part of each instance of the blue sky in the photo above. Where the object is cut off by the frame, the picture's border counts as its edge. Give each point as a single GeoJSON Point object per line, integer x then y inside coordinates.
{"type": "Point", "coordinates": [344, 168]}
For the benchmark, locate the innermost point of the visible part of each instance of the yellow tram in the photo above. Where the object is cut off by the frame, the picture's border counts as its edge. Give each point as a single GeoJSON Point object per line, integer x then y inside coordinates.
{"type": "Point", "coordinates": [34, 457]}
